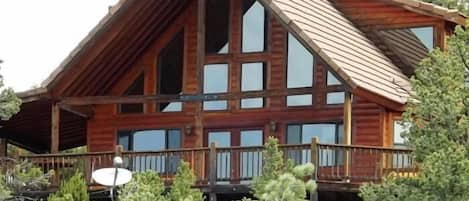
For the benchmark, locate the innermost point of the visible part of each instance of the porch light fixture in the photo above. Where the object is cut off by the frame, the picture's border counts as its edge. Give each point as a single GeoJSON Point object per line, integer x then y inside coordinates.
{"type": "Point", "coordinates": [273, 126]}
{"type": "Point", "coordinates": [188, 130]}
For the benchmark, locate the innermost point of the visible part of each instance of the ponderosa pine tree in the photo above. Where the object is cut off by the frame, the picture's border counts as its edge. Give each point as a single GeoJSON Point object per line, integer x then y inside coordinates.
{"type": "Point", "coordinates": [438, 113]}
{"type": "Point", "coordinates": [181, 189]}
{"type": "Point", "coordinates": [9, 102]}
{"type": "Point", "coordinates": [461, 5]}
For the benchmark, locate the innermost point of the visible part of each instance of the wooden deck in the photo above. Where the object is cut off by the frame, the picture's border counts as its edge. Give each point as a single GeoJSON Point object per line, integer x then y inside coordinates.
{"type": "Point", "coordinates": [231, 169]}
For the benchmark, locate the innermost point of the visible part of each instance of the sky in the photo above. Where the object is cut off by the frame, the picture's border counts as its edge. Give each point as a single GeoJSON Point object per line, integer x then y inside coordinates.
{"type": "Point", "coordinates": [35, 36]}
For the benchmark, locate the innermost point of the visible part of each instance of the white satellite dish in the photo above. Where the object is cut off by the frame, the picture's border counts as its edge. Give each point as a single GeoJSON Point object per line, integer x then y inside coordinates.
{"type": "Point", "coordinates": [112, 176]}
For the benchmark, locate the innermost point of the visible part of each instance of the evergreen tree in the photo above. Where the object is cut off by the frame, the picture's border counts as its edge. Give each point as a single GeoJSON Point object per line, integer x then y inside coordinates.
{"type": "Point", "coordinates": [182, 190]}
{"type": "Point", "coordinates": [9, 103]}
{"type": "Point", "coordinates": [461, 5]}
{"type": "Point", "coordinates": [146, 186]}
{"type": "Point", "coordinates": [73, 189]}
{"type": "Point", "coordinates": [439, 131]}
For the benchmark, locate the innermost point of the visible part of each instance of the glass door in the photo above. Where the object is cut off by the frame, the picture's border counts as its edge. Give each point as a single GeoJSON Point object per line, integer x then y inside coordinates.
{"type": "Point", "coordinates": [251, 161]}
{"type": "Point", "coordinates": [222, 139]}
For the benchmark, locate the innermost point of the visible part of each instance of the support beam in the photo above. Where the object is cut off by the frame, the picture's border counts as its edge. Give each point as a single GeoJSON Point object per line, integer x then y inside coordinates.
{"type": "Point", "coordinates": [347, 138]}
{"type": "Point", "coordinates": [98, 100]}
{"type": "Point", "coordinates": [3, 147]}
{"type": "Point", "coordinates": [55, 129]}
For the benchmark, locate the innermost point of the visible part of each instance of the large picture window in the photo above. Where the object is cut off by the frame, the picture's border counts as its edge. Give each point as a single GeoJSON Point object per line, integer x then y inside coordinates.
{"type": "Point", "coordinates": [217, 27]}
{"type": "Point", "coordinates": [136, 88]}
{"type": "Point", "coordinates": [254, 26]}
{"type": "Point", "coordinates": [215, 81]}
{"type": "Point", "coordinates": [151, 140]}
{"type": "Point", "coordinates": [252, 79]}
{"type": "Point", "coordinates": [329, 133]}
{"type": "Point", "coordinates": [170, 73]}
{"type": "Point", "coordinates": [299, 72]}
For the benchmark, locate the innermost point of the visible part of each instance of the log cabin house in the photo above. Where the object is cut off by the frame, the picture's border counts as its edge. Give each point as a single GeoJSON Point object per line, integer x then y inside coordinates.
{"type": "Point", "coordinates": [208, 81]}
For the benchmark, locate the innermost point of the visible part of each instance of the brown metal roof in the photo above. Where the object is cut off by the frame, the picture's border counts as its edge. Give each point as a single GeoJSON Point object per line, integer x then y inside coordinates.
{"type": "Point", "coordinates": [344, 47]}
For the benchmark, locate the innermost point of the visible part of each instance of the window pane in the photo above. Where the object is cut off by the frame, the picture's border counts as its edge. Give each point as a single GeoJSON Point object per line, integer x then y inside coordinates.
{"type": "Point", "coordinates": [293, 134]}
{"type": "Point", "coordinates": [171, 107]}
{"type": "Point", "coordinates": [251, 103]}
{"type": "Point", "coordinates": [300, 100]}
{"type": "Point", "coordinates": [216, 78]}
{"type": "Point", "coordinates": [252, 78]}
{"type": "Point", "coordinates": [215, 105]}
{"type": "Point", "coordinates": [135, 89]}
{"type": "Point", "coordinates": [253, 26]}
{"type": "Point", "coordinates": [217, 26]}
{"type": "Point", "coordinates": [325, 133]}
{"type": "Point", "coordinates": [149, 140]}
{"type": "Point", "coordinates": [335, 98]}
{"type": "Point", "coordinates": [251, 161]}
{"type": "Point", "coordinates": [124, 139]}
{"type": "Point", "coordinates": [222, 139]}
{"type": "Point", "coordinates": [170, 72]}
{"type": "Point", "coordinates": [216, 81]}
{"type": "Point", "coordinates": [174, 139]}
{"type": "Point", "coordinates": [300, 65]}
{"type": "Point", "coordinates": [332, 80]}
{"type": "Point", "coordinates": [425, 35]}
{"type": "Point", "coordinates": [398, 130]}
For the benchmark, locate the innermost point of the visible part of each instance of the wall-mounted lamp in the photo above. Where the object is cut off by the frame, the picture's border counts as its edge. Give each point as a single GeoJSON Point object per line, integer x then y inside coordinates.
{"type": "Point", "coordinates": [273, 126]}
{"type": "Point", "coordinates": [188, 129]}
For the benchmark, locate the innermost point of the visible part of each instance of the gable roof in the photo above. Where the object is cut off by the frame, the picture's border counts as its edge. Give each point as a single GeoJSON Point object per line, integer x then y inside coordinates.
{"type": "Point", "coordinates": [343, 47]}
{"type": "Point", "coordinates": [354, 58]}
{"type": "Point", "coordinates": [425, 8]}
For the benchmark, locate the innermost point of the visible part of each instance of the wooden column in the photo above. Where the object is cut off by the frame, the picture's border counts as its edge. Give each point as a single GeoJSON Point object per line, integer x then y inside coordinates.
{"type": "Point", "coordinates": [55, 122]}
{"type": "Point", "coordinates": [3, 147]}
{"type": "Point", "coordinates": [315, 160]}
{"type": "Point", "coordinates": [212, 172]}
{"type": "Point", "coordinates": [347, 138]}
{"type": "Point", "coordinates": [198, 121]}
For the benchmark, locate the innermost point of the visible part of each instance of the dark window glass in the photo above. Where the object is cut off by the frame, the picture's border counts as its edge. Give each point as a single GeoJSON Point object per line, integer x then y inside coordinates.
{"type": "Point", "coordinates": [170, 72]}
{"type": "Point", "coordinates": [151, 140]}
{"type": "Point", "coordinates": [252, 79]}
{"type": "Point", "coordinates": [304, 133]}
{"type": "Point", "coordinates": [135, 89]}
{"type": "Point", "coordinates": [299, 71]}
{"type": "Point", "coordinates": [217, 26]}
{"type": "Point", "coordinates": [124, 140]}
{"type": "Point", "coordinates": [254, 26]}
{"type": "Point", "coordinates": [215, 81]}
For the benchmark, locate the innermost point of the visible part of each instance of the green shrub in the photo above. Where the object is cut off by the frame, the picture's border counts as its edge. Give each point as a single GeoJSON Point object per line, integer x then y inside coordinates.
{"type": "Point", "coordinates": [182, 190]}
{"type": "Point", "coordinates": [73, 189]}
{"type": "Point", "coordinates": [146, 186]}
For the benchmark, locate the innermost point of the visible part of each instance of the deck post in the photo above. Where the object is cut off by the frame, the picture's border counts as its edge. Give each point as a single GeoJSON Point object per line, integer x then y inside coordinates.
{"type": "Point", "coordinates": [3, 147]}
{"type": "Point", "coordinates": [212, 171]}
{"type": "Point", "coordinates": [54, 140]}
{"type": "Point", "coordinates": [315, 160]}
{"type": "Point", "coordinates": [347, 138]}
{"type": "Point", "coordinates": [55, 129]}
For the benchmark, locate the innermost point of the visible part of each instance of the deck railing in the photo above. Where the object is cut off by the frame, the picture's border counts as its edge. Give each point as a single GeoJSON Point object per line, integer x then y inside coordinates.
{"type": "Point", "coordinates": [237, 165]}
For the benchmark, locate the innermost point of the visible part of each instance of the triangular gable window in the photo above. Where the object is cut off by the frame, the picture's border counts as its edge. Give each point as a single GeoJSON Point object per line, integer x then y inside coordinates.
{"type": "Point", "coordinates": [170, 72]}
{"type": "Point", "coordinates": [135, 89]}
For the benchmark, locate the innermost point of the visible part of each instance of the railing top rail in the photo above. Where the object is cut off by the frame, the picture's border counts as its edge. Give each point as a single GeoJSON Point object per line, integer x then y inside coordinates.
{"type": "Point", "coordinates": [365, 147]}
{"type": "Point", "coordinates": [240, 148]}
{"type": "Point", "coordinates": [68, 154]}
{"type": "Point", "coordinates": [168, 151]}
